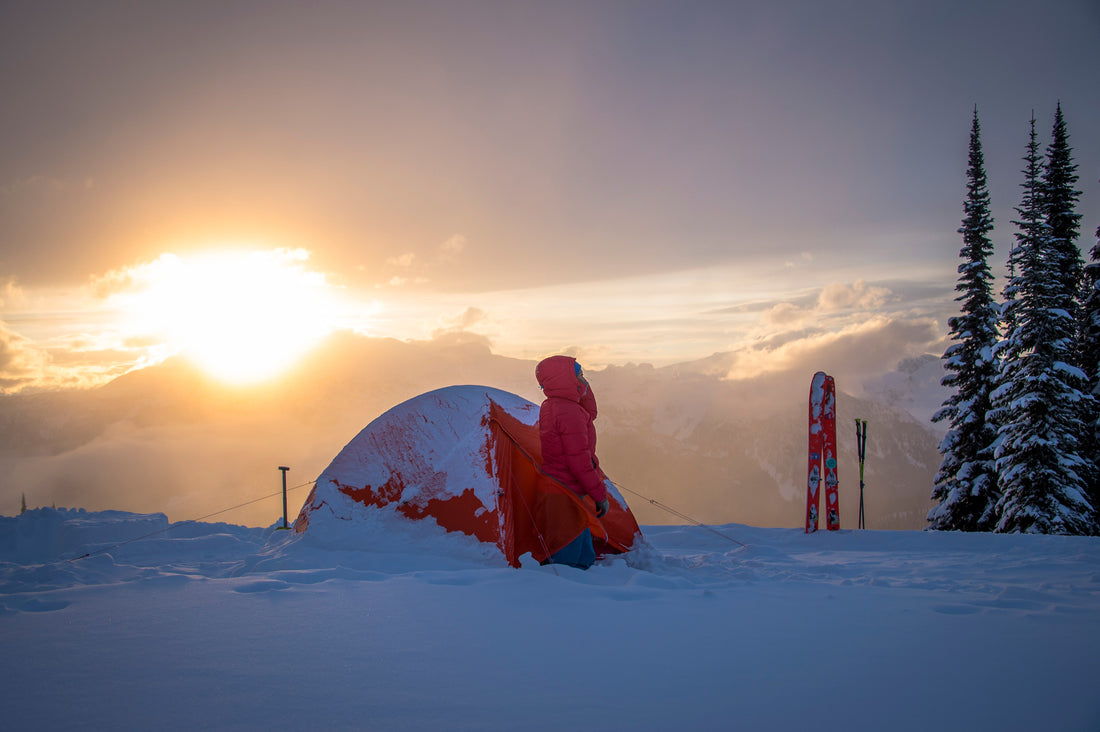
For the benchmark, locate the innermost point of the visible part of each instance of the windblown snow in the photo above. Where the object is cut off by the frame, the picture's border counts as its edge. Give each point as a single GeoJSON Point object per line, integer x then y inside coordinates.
{"type": "Point", "coordinates": [216, 626]}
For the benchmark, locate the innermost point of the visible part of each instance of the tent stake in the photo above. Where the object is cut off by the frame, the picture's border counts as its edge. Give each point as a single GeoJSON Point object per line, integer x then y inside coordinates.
{"type": "Point", "coordinates": [284, 469]}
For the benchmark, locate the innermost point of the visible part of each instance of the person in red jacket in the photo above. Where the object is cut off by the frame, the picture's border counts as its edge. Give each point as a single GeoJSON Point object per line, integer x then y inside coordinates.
{"type": "Point", "coordinates": [568, 438]}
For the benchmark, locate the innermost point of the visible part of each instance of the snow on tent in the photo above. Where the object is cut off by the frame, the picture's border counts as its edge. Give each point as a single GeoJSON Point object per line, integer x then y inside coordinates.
{"type": "Point", "coordinates": [469, 459]}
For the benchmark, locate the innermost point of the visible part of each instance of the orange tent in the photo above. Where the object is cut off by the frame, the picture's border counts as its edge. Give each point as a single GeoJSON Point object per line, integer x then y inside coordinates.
{"type": "Point", "coordinates": [469, 458]}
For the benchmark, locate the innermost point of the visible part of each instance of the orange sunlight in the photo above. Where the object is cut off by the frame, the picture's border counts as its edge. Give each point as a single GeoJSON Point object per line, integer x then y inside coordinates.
{"type": "Point", "coordinates": [241, 316]}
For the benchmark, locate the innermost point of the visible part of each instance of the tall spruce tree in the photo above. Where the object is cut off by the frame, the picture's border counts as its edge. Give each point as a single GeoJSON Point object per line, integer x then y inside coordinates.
{"type": "Point", "coordinates": [1090, 318]}
{"type": "Point", "coordinates": [1064, 224]}
{"type": "Point", "coordinates": [966, 485]}
{"type": "Point", "coordinates": [1021, 259]}
{"type": "Point", "coordinates": [1060, 198]}
{"type": "Point", "coordinates": [1090, 363]}
{"type": "Point", "coordinates": [1043, 474]}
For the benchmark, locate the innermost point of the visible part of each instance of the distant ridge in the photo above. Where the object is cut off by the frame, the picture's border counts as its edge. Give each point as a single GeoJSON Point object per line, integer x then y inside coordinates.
{"type": "Point", "coordinates": [170, 439]}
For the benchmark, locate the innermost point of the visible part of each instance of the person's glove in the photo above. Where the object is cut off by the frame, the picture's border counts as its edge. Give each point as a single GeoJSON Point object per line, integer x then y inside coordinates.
{"type": "Point", "coordinates": [601, 508]}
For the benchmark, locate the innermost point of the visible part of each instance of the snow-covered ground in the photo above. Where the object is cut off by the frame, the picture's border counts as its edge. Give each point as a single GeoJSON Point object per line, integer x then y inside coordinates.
{"type": "Point", "coordinates": [216, 626]}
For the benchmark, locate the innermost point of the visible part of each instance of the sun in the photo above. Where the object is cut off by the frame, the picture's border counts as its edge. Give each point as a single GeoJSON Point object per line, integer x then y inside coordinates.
{"type": "Point", "coordinates": [242, 316]}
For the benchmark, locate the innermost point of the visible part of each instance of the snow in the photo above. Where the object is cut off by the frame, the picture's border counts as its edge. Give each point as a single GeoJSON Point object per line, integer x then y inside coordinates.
{"type": "Point", "coordinates": [1071, 370]}
{"type": "Point", "coordinates": [436, 444]}
{"type": "Point", "coordinates": [371, 620]}
{"type": "Point", "coordinates": [436, 439]}
{"type": "Point", "coordinates": [216, 626]}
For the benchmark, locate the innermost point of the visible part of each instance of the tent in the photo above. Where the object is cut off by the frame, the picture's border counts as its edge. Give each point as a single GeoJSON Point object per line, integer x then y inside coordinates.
{"type": "Point", "coordinates": [468, 458]}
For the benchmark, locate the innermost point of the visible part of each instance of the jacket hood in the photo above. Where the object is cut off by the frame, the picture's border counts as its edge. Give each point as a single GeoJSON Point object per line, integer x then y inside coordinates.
{"type": "Point", "coordinates": [558, 378]}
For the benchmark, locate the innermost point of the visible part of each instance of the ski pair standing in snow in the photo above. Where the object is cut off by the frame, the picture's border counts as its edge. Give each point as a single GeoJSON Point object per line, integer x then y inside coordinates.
{"type": "Point", "coordinates": [822, 450]}
{"type": "Point", "coordinates": [568, 438]}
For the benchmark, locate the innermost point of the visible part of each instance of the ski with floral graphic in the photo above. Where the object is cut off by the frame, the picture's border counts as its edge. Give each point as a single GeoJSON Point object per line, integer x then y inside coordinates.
{"type": "Point", "coordinates": [822, 454]}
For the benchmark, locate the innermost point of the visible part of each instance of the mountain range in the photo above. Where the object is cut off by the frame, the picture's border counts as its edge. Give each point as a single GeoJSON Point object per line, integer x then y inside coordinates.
{"type": "Point", "coordinates": [683, 442]}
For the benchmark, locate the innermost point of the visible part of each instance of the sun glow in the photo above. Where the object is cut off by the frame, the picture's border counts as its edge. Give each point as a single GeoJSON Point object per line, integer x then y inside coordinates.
{"type": "Point", "coordinates": [241, 316]}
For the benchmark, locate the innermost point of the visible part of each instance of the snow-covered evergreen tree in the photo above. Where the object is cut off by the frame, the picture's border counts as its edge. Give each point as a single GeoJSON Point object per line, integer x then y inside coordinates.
{"type": "Point", "coordinates": [1006, 350]}
{"type": "Point", "coordinates": [1090, 317]}
{"type": "Point", "coordinates": [1060, 209]}
{"type": "Point", "coordinates": [1060, 198]}
{"type": "Point", "coordinates": [1021, 259]}
{"type": "Point", "coordinates": [1044, 475]}
{"type": "Point", "coordinates": [1090, 362]}
{"type": "Point", "coordinates": [966, 485]}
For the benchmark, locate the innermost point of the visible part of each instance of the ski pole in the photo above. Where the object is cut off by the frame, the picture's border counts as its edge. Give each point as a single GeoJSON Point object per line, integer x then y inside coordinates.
{"type": "Point", "coordinates": [861, 450]}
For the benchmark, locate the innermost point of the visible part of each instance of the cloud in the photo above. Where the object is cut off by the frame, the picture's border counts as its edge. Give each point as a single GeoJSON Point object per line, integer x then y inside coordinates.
{"type": "Point", "coordinates": [462, 323]}
{"type": "Point", "coordinates": [803, 258]}
{"type": "Point", "coordinates": [590, 357]}
{"type": "Point", "coordinates": [69, 363]}
{"type": "Point", "coordinates": [163, 440]}
{"type": "Point", "coordinates": [185, 470]}
{"type": "Point", "coordinates": [235, 310]}
{"type": "Point", "coordinates": [856, 296]}
{"type": "Point", "coordinates": [777, 340]}
{"type": "Point", "coordinates": [11, 294]}
{"type": "Point", "coordinates": [136, 277]}
{"type": "Point", "coordinates": [112, 282]}
{"type": "Point", "coordinates": [198, 269]}
{"type": "Point", "coordinates": [834, 298]}
{"type": "Point", "coordinates": [413, 269]}
{"type": "Point", "coordinates": [915, 385]}
{"type": "Point", "coordinates": [853, 354]}
{"type": "Point", "coordinates": [20, 364]}
{"type": "Point", "coordinates": [9, 353]}
{"type": "Point", "coordinates": [785, 313]}
{"type": "Point", "coordinates": [452, 247]}
{"type": "Point", "coordinates": [402, 260]}
{"type": "Point", "coordinates": [451, 338]}
{"type": "Point", "coordinates": [472, 316]}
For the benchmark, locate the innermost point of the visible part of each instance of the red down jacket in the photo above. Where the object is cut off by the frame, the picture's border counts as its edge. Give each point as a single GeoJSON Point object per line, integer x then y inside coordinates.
{"type": "Point", "coordinates": [566, 430]}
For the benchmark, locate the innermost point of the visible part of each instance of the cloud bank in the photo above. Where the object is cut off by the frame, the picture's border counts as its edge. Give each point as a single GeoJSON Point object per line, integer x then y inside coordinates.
{"type": "Point", "coordinates": [170, 439]}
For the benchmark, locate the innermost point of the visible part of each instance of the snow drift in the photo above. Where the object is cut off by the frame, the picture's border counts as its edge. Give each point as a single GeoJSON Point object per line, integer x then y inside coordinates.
{"type": "Point", "coordinates": [222, 627]}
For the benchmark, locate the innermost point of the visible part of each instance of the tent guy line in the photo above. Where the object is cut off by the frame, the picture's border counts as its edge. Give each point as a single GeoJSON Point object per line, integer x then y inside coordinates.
{"type": "Point", "coordinates": [394, 473]}
{"type": "Point", "coordinates": [663, 506]}
{"type": "Point", "coordinates": [189, 521]}
{"type": "Point", "coordinates": [684, 516]}
{"type": "Point", "coordinates": [620, 486]}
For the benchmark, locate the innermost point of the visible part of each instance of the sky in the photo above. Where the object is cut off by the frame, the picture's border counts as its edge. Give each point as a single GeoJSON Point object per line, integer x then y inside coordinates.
{"type": "Point", "coordinates": [625, 181]}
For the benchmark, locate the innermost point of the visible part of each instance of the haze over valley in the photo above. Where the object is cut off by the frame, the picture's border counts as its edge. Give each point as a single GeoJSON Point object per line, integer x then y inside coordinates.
{"type": "Point", "coordinates": [170, 438]}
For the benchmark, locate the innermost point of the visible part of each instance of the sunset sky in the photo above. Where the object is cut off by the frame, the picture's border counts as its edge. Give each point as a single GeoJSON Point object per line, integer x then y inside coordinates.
{"type": "Point", "coordinates": [629, 181]}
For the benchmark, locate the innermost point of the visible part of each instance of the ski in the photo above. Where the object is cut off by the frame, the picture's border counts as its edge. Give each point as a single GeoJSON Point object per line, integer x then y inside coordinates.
{"type": "Point", "coordinates": [828, 429]}
{"type": "Point", "coordinates": [816, 443]}
{"type": "Point", "coordinates": [822, 454]}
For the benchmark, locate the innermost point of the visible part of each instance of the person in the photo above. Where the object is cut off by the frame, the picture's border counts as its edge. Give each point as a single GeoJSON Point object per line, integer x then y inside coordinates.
{"type": "Point", "coordinates": [568, 438]}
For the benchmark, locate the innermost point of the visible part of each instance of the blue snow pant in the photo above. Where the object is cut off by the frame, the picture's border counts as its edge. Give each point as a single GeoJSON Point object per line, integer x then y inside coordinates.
{"type": "Point", "coordinates": [577, 553]}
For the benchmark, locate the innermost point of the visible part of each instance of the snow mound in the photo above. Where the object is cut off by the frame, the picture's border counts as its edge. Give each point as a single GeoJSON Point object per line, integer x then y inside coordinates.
{"type": "Point", "coordinates": [392, 538]}
{"type": "Point", "coordinates": [47, 534]}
